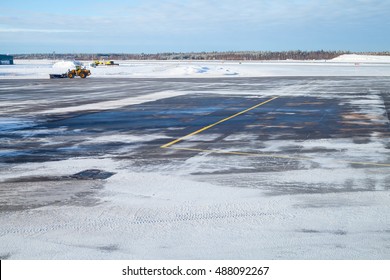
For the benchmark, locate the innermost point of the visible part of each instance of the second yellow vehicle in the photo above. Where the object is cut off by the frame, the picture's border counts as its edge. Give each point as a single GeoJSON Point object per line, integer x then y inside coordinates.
{"type": "Point", "coordinates": [105, 63]}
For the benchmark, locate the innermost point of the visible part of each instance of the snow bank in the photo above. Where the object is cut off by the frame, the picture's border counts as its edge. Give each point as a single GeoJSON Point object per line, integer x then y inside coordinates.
{"type": "Point", "coordinates": [356, 58]}
{"type": "Point", "coordinates": [343, 66]}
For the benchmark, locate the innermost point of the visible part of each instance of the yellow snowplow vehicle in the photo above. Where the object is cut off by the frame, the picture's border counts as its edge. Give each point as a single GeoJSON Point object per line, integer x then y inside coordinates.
{"type": "Point", "coordinates": [81, 72]}
{"type": "Point", "coordinates": [105, 63]}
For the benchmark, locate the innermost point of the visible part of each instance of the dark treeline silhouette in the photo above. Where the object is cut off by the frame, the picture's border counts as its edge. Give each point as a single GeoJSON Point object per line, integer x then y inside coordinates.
{"type": "Point", "coordinates": [231, 55]}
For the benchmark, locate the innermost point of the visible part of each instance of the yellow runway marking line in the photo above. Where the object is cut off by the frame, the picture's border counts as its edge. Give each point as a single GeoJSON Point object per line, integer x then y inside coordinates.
{"type": "Point", "coordinates": [214, 124]}
{"type": "Point", "coordinates": [277, 156]}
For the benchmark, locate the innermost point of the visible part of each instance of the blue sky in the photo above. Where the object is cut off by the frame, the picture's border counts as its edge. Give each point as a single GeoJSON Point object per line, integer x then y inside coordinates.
{"type": "Point", "coordinates": [150, 26]}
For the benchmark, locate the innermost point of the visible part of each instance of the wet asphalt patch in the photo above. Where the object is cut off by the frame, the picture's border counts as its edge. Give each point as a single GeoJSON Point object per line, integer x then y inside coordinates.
{"type": "Point", "coordinates": [92, 174]}
{"type": "Point", "coordinates": [89, 174]}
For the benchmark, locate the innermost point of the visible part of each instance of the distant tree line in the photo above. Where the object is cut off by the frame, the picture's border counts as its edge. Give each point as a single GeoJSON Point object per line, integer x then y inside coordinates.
{"type": "Point", "coordinates": [230, 55]}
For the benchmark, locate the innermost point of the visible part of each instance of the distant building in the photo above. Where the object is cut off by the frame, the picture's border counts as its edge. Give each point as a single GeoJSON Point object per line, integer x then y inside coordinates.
{"type": "Point", "coordinates": [6, 59]}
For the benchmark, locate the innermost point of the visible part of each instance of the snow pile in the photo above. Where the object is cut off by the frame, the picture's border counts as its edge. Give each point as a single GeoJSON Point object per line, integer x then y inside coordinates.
{"type": "Point", "coordinates": [66, 64]}
{"type": "Point", "coordinates": [356, 58]}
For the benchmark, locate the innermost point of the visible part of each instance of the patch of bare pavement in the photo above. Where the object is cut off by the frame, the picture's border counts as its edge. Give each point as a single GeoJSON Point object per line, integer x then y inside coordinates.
{"type": "Point", "coordinates": [302, 162]}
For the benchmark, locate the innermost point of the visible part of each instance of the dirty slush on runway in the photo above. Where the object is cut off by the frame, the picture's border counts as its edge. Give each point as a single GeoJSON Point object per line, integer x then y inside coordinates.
{"type": "Point", "coordinates": [312, 136]}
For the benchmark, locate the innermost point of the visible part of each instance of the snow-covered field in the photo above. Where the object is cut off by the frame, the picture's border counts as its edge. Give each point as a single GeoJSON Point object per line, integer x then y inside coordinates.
{"type": "Point", "coordinates": [346, 65]}
{"type": "Point", "coordinates": [304, 177]}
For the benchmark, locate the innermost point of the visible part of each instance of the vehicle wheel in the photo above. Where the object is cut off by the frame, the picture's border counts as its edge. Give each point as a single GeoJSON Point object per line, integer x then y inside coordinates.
{"type": "Point", "coordinates": [82, 75]}
{"type": "Point", "coordinates": [70, 75]}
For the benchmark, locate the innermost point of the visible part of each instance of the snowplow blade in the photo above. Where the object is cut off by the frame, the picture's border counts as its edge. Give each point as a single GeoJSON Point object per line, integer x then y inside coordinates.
{"type": "Point", "coordinates": [57, 76]}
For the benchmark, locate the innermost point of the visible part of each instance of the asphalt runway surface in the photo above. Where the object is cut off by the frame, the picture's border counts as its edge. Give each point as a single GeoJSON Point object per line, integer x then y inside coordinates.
{"type": "Point", "coordinates": [300, 116]}
{"type": "Point", "coordinates": [281, 136]}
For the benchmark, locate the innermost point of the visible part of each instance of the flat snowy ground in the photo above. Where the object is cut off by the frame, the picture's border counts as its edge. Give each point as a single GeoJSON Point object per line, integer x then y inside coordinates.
{"type": "Point", "coordinates": [346, 65]}
{"type": "Point", "coordinates": [301, 173]}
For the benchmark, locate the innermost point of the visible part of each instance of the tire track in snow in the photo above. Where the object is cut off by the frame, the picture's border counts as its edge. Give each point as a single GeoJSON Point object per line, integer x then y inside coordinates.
{"type": "Point", "coordinates": [145, 216]}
